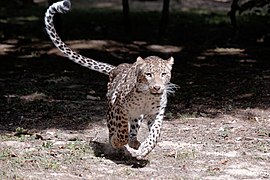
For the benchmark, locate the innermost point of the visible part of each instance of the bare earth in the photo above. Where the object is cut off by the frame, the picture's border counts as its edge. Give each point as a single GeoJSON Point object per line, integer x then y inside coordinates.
{"type": "Point", "coordinates": [217, 125]}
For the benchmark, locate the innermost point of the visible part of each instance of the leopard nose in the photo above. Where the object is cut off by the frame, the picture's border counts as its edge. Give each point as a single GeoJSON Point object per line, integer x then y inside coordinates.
{"type": "Point", "coordinates": [156, 87]}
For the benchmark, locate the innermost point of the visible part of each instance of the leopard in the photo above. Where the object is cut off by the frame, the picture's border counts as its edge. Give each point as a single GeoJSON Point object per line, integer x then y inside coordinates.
{"type": "Point", "coordinates": [135, 92]}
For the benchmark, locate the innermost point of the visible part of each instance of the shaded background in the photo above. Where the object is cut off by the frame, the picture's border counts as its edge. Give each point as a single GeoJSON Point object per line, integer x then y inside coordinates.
{"type": "Point", "coordinates": [219, 69]}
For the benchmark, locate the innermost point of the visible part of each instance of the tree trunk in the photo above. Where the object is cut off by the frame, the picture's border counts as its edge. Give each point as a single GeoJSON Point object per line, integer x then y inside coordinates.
{"type": "Point", "coordinates": [126, 19]}
{"type": "Point", "coordinates": [164, 18]}
{"type": "Point", "coordinates": [232, 13]}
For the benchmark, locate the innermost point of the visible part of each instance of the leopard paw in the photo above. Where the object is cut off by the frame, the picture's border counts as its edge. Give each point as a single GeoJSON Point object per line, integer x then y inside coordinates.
{"type": "Point", "coordinates": [134, 143]}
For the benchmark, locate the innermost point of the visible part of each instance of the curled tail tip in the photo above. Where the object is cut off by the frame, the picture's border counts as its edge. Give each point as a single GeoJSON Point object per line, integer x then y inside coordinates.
{"type": "Point", "coordinates": [62, 6]}
{"type": "Point", "coordinates": [67, 5]}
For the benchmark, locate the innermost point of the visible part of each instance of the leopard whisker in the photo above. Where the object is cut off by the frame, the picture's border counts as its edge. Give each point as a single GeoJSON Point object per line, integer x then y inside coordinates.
{"type": "Point", "coordinates": [171, 88]}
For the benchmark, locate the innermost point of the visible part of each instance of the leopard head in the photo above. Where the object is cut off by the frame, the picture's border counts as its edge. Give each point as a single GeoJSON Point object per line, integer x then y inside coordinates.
{"type": "Point", "coordinates": [154, 74]}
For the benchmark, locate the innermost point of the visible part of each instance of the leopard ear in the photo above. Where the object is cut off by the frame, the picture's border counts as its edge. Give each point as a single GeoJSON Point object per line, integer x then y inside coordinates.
{"type": "Point", "coordinates": [170, 61]}
{"type": "Point", "coordinates": [140, 61]}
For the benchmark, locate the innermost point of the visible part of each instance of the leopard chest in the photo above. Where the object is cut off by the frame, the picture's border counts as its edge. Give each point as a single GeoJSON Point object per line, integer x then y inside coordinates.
{"type": "Point", "coordinates": [144, 103]}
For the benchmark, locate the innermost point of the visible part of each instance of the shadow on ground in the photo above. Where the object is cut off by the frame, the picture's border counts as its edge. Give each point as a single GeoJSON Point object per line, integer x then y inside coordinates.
{"type": "Point", "coordinates": [104, 150]}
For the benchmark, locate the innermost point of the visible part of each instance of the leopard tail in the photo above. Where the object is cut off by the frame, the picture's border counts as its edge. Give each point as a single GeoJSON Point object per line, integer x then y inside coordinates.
{"type": "Point", "coordinates": [63, 7]}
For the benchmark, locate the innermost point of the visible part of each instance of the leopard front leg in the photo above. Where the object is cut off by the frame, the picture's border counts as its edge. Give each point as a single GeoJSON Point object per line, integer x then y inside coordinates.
{"type": "Point", "coordinates": [154, 126]}
{"type": "Point", "coordinates": [118, 127]}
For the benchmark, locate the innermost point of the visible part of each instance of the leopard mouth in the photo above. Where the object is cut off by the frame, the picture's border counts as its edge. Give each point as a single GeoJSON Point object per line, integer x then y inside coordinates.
{"type": "Point", "coordinates": [157, 93]}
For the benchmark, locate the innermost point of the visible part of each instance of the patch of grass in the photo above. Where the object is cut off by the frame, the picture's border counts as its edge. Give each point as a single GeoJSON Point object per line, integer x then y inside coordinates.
{"type": "Point", "coordinates": [128, 171]}
{"type": "Point", "coordinates": [79, 148]}
{"type": "Point", "coordinates": [185, 155]}
{"type": "Point", "coordinates": [77, 151]}
{"type": "Point", "coordinates": [22, 138]}
{"type": "Point", "coordinates": [22, 133]}
{"type": "Point", "coordinates": [47, 144]}
{"type": "Point", "coordinates": [6, 137]}
{"type": "Point", "coordinates": [49, 163]}
{"type": "Point", "coordinates": [169, 115]}
{"type": "Point", "coordinates": [213, 170]}
{"type": "Point", "coordinates": [17, 162]}
{"type": "Point", "coordinates": [263, 146]}
{"type": "Point", "coordinates": [4, 175]}
{"type": "Point", "coordinates": [5, 153]}
{"type": "Point", "coordinates": [10, 159]}
{"type": "Point", "coordinates": [224, 132]}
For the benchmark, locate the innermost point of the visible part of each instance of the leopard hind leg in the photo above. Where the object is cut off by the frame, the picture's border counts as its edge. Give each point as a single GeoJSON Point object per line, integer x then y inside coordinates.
{"type": "Point", "coordinates": [118, 127]}
{"type": "Point", "coordinates": [134, 128]}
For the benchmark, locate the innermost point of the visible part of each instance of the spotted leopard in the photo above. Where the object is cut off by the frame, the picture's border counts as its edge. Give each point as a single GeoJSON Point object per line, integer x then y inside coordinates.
{"type": "Point", "coordinates": [136, 91]}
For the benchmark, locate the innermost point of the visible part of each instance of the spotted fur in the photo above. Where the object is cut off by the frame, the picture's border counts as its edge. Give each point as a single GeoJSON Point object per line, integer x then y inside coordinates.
{"type": "Point", "coordinates": [136, 91]}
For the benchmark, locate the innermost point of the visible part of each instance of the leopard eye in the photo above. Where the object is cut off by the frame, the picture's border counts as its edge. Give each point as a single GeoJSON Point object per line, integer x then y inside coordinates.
{"type": "Point", "coordinates": [163, 74]}
{"type": "Point", "coordinates": [148, 75]}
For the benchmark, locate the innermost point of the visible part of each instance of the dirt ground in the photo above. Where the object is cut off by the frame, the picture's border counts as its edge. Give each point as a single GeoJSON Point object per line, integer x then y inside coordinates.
{"type": "Point", "coordinates": [52, 111]}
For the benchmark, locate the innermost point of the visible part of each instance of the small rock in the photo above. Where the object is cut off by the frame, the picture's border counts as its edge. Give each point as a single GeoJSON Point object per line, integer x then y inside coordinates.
{"type": "Point", "coordinates": [92, 92]}
{"type": "Point", "coordinates": [90, 97]}
{"type": "Point", "coordinates": [34, 97]}
{"type": "Point", "coordinates": [223, 161]}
